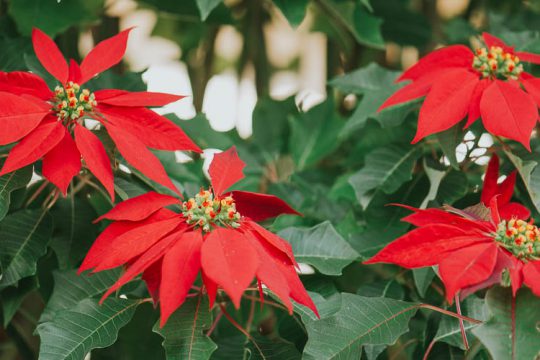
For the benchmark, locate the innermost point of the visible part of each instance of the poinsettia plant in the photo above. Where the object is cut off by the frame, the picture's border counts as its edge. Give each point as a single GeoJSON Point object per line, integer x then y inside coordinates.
{"type": "Point", "coordinates": [390, 213]}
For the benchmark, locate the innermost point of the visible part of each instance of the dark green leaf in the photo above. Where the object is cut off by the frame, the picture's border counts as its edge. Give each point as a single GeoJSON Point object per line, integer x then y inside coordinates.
{"type": "Point", "coordinates": [8, 183]}
{"type": "Point", "coordinates": [320, 246]}
{"type": "Point", "coordinates": [206, 7]}
{"type": "Point", "coordinates": [294, 11]}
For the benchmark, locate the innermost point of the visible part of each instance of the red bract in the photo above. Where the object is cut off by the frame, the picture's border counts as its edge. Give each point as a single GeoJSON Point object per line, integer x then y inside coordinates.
{"type": "Point", "coordinates": [51, 124]}
{"type": "Point", "coordinates": [489, 83]}
{"type": "Point", "coordinates": [472, 250]}
{"type": "Point", "coordinates": [502, 191]}
{"type": "Point", "coordinates": [215, 235]}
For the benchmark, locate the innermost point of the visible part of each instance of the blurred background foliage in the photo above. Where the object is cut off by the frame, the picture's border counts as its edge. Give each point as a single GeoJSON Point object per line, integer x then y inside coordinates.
{"type": "Point", "coordinates": [295, 85]}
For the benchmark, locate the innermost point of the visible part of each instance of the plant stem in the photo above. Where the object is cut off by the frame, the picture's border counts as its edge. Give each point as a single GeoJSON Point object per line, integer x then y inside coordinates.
{"type": "Point", "coordinates": [461, 326]}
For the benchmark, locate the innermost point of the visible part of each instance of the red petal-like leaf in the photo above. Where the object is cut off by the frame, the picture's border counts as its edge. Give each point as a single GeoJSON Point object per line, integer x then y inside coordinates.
{"type": "Point", "coordinates": [142, 263]}
{"type": "Point", "coordinates": [474, 105]}
{"type": "Point", "coordinates": [426, 246]}
{"type": "Point", "coordinates": [504, 261]}
{"type": "Point", "coordinates": [152, 278]}
{"type": "Point", "coordinates": [50, 56]}
{"type": "Point", "coordinates": [229, 259]}
{"type": "Point", "coordinates": [455, 56]}
{"type": "Point", "coordinates": [514, 210]}
{"type": "Point", "coordinates": [490, 187]}
{"type": "Point", "coordinates": [153, 130]}
{"type": "Point", "coordinates": [528, 57]}
{"type": "Point", "coordinates": [104, 55]}
{"type": "Point", "coordinates": [409, 92]}
{"type": "Point", "coordinates": [139, 207]}
{"type": "Point", "coordinates": [531, 276]}
{"type": "Point", "coordinates": [447, 103]}
{"type": "Point", "coordinates": [95, 157]}
{"type": "Point", "coordinates": [508, 111]}
{"type": "Point", "coordinates": [134, 242]}
{"type": "Point", "coordinates": [21, 82]}
{"type": "Point", "coordinates": [259, 207]}
{"type": "Point", "coordinates": [62, 163]}
{"type": "Point", "coordinates": [425, 217]}
{"type": "Point", "coordinates": [225, 170]}
{"type": "Point", "coordinates": [138, 156]}
{"type": "Point", "coordinates": [74, 72]}
{"type": "Point", "coordinates": [181, 265]}
{"type": "Point", "coordinates": [211, 289]}
{"type": "Point", "coordinates": [491, 40]}
{"type": "Point", "coordinates": [533, 88]}
{"type": "Point", "coordinates": [104, 240]}
{"type": "Point", "coordinates": [34, 146]}
{"type": "Point", "coordinates": [142, 98]}
{"type": "Point", "coordinates": [468, 266]}
{"type": "Point", "coordinates": [18, 117]}
{"type": "Point", "coordinates": [270, 238]}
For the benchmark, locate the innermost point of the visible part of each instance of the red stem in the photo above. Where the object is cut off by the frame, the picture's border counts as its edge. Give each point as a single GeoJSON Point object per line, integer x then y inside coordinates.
{"type": "Point", "coordinates": [461, 326]}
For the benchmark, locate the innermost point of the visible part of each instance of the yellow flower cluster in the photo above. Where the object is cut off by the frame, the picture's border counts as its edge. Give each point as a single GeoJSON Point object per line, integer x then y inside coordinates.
{"type": "Point", "coordinates": [519, 237]}
{"type": "Point", "coordinates": [497, 64]}
{"type": "Point", "coordinates": [205, 211]}
{"type": "Point", "coordinates": [70, 102]}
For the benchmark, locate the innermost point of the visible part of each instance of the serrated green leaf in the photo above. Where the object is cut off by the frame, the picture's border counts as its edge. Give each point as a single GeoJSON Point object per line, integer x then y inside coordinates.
{"type": "Point", "coordinates": [25, 235]}
{"type": "Point", "coordinates": [72, 333]}
{"type": "Point", "coordinates": [359, 321]}
{"type": "Point", "coordinates": [206, 7]}
{"type": "Point", "coordinates": [9, 183]}
{"type": "Point", "coordinates": [448, 141]}
{"type": "Point", "coordinates": [183, 333]}
{"type": "Point", "coordinates": [238, 347]}
{"type": "Point", "coordinates": [422, 279]}
{"type": "Point", "coordinates": [530, 174]}
{"type": "Point", "coordinates": [504, 338]}
{"type": "Point", "coordinates": [45, 14]}
{"type": "Point", "coordinates": [70, 289]}
{"type": "Point", "coordinates": [386, 169]}
{"type": "Point", "coordinates": [320, 246]}
{"type": "Point", "coordinates": [313, 134]}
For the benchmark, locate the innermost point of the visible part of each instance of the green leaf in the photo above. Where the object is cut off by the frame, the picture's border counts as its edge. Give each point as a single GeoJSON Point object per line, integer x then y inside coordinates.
{"type": "Point", "coordinates": [375, 84]}
{"type": "Point", "coordinates": [453, 187]}
{"type": "Point", "coordinates": [12, 49]}
{"type": "Point", "coordinates": [386, 169]}
{"type": "Point", "coordinates": [294, 11]}
{"type": "Point", "coordinates": [74, 231]}
{"type": "Point", "coordinates": [320, 246]}
{"type": "Point", "coordinates": [270, 124]}
{"type": "Point", "coordinates": [12, 297]}
{"type": "Point", "coordinates": [504, 338]}
{"type": "Point", "coordinates": [313, 134]}
{"type": "Point", "coordinates": [449, 330]}
{"type": "Point", "coordinates": [70, 289]}
{"type": "Point", "coordinates": [206, 7]}
{"type": "Point", "coordinates": [183, 333]}
{"type": "Point", "coordinates": [448, 141]}
{"type": "Point", "coordinates": [10, 182]}
{"type": "Point", "coordinates": [72, 333]}
{"type": "Point", "coordinates": [422, 279]}
{"type": "Point", "coordinates": [354, 17]}
{"type": "Point", "coordinates": [359, 321]}
{"type": "Point", "coordinates": [53, 17]}
{"type": "Point", "coordinates": [238, 347]}
{"type": "Point", "coordinates": [530, 174]}
{"type": "Point", "coordinates": [25, 235]}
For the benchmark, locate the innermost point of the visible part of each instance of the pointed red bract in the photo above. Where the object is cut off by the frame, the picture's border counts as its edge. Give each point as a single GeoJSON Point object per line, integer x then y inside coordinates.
{"type": "Point", "coordinates": [531, 276]}
{"type": "Point", "coordinates": [139, 208]}
{"type": "Point", "coordinates": [137, 155]}
{"type": "Point", "coordinates": [75, 74]}
{"type": "Point", "coordinates": [34, 146]}
{"type": "Point", "coordinates": [409, 92]}
{"type": "Point", "coordinates": [104, 55]}
{"type": "Point", "coordinates": [181, 265]}
{"type": "Point", "coordinates": [474, 105]}
{"type": "Point", "coordinates": [152, 129]}
{"type": "Point", "coordinates": [62, 163]}
{"type": "Point", "coordinates": [141, 98]}
{"type": "Point", "coordinates": [455, 56]}
{"type": "Point", "coordinates": [50, 56]}
{"type": "Point", "coordinates": [230, 261]}
{"type": "Point", "coordinates": [18, 117]}
{"type": "Point", "coordinates": [225, 170]}
{"type": "Point", "coordinates": [492, 40]}
{"type": "Point", "coordinates": [528, 57]}
{"type": "Point", "coordinates": [447, 103]}
{"type": "Point", "coordinates": [19, 83]}
{"type": "Point", "coordinates": [468, 266]}
{"type": "Point", "coordinates": [508, 111]}
{"type": "Point", "coordinates": [95, 157]}
{"type": "Point", "coordinates": [259, 207]}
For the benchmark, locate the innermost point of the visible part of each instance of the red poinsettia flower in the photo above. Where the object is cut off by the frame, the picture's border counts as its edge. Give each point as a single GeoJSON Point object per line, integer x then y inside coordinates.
{"type": "Point", "coordinates": [503, 192]}
{"type": "Point", "coordinates": [473, 248]}
{"type": "Point", "coordinates": [489, 83]}
{"type": "Point", "coordinates": [51, 124]}
{"type": "Point", "coordinates": [215, 234]}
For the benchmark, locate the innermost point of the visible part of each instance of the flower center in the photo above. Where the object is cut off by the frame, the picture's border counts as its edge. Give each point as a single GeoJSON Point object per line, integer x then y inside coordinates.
{"type": "Point", "coordinates": [70, 102]}
{"type": "Point", "coordinates": [205, 211]}
{"type": "Point", "coordinates": [520, 238]}
{"type": "Point", "coordinates": [497, 64]}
